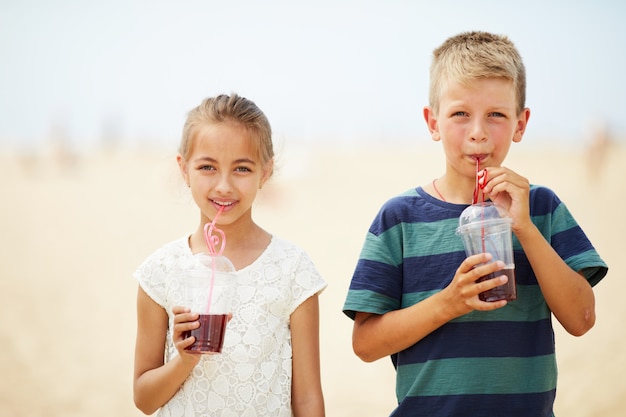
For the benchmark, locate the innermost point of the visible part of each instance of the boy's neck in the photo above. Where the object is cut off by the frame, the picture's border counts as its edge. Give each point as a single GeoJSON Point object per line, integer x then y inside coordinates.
{"type": "Point", "coordinates": [456, 192]}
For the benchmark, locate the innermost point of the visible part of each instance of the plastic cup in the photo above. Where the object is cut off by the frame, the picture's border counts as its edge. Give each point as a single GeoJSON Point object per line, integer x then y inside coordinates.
{"type": "Point", "coordinates": [209, 288]}
{"type": "Point", "coordinates": [485, 228]}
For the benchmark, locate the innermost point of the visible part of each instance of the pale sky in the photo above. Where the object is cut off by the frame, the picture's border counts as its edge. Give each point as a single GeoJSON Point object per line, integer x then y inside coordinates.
{"type": "Point", "coordinates": [340, 70]}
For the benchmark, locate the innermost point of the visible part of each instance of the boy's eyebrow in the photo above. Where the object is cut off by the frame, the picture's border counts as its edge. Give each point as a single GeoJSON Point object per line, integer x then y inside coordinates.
{"type": "Point", "coordinates": [245, 161]}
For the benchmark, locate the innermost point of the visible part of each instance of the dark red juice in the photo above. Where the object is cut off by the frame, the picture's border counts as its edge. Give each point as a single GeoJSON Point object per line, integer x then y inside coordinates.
{"type": "Point", "coordinates": [210, 335]}
{"type": "Point", "coordinates": [503, 292]}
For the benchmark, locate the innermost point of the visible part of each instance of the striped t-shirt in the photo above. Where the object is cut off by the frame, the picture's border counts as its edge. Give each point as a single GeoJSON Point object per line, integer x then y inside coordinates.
{"type": "Point", "coordinates": [495, 363]}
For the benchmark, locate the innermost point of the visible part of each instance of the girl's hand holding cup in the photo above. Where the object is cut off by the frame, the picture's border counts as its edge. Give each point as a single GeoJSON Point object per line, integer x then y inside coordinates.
{"type": "Point", "coordinates": [184, 321]}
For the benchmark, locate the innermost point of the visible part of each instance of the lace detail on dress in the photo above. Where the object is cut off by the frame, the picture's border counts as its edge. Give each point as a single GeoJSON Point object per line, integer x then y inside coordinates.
{"type": "Point", "coordinates": [252, 375]}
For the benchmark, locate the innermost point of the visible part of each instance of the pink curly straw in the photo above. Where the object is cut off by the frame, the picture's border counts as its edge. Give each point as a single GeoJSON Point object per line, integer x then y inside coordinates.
{"type": "Point", "coordinates": [212, 242]}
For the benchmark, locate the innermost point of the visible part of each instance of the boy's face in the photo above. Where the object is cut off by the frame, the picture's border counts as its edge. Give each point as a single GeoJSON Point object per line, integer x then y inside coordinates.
{"type": "Point", "coordinates": [476, 121]}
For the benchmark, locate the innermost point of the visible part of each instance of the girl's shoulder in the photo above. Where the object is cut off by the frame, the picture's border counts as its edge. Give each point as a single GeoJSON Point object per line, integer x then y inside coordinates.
{"type": "Point", "coordinates": [283, 248]}
{"type": "Point", "coordinates": [290, 256]}
{"type": "Point", "coordinates": [178, 246]}
{"type": "Point", "coordinates": [298, 272]}
{"type": "Point", "coordinates": [168, 253]}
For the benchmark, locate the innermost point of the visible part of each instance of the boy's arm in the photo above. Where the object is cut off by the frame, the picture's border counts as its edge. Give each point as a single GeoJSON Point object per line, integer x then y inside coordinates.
{"type": "Point", "coordinates": [568, 294]}
{"type": "Point", "coordinates": [378, 335]}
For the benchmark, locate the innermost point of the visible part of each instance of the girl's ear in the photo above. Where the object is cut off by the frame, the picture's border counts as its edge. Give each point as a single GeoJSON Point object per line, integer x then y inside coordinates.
{"type": "Point", "coordinates": [182, 165]}
{"type": "Point", "coordinates": [431, 122]}
{"type": "Point", "coordinates": [268, 169]}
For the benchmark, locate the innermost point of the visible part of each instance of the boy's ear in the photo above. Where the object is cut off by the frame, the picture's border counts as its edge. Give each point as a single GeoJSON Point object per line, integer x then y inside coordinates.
{"type": "Point", "coordinates": [522, 122]}
{"type": "Point", "coordinates": [183, 169]}
{"type": "Point", "coordinates": [431, 122]}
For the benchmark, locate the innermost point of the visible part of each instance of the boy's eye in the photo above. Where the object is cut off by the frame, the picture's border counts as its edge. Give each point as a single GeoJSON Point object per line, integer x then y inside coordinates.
{"type": "Point", "coordinates": [497, 114]}
{"type": "Point", "coordinates": [459, 113]}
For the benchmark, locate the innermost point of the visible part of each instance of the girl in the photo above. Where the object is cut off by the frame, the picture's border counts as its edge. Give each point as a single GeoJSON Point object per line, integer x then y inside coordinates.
{"type": "Point", "coordinates": [269, 365]}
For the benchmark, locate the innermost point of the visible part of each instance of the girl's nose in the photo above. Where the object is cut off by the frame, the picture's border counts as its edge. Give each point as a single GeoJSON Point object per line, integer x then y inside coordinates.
{"type": "Point", "coordinates": [223, 185]}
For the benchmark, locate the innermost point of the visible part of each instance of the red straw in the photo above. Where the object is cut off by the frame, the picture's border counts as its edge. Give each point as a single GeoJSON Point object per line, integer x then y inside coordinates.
{"type": "Point", "coordinates": [481, 181]}
{"type": "Point", "coordinates": [212, 242]}
{"type": "Point", "coordinates": [479, 184]}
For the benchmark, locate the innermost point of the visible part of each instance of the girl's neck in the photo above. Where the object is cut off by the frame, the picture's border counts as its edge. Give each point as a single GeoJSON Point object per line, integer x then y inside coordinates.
{"type": "Point", "coordinates": [243, 244]}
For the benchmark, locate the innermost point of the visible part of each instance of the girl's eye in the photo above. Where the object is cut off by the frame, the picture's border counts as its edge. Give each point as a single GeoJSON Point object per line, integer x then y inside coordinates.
{"type": "Point", "coordinates": [206, 168]}
{"type": "Point", "coordinates": [243, 169]}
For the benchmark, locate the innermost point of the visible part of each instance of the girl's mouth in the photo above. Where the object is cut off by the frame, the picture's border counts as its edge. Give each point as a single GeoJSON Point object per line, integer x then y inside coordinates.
{"type": "Point", "coordinates": [224, 204]}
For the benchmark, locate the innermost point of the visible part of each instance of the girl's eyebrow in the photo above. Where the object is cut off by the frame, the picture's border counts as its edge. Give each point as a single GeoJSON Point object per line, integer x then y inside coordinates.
{"type": "Point", "coordinates": [236, 161]}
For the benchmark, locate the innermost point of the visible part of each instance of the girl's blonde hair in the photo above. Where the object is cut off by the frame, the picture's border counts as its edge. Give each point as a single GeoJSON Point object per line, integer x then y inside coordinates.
{"type": "Point", "coordinates": [473, 55]}
{"type": "Point", "coordinates": [225, 108]}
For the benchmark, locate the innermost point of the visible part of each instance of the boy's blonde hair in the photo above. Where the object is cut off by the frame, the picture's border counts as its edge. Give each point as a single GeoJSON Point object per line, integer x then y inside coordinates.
{"type": "Point", "coordinates": [225, 108]}
{"type": "Point", "coordinates": [472, 55]}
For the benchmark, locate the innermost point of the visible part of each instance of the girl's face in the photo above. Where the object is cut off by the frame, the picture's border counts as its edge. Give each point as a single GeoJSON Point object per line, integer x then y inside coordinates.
{"type": "Point", "coordinates": [224, 170]}
{"type": "Point", "coordinates": [476, 122]}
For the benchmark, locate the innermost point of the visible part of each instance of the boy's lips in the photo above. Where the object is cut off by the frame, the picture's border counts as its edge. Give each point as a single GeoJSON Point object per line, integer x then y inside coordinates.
{"type": "Point", "coordinates": [479, 157]}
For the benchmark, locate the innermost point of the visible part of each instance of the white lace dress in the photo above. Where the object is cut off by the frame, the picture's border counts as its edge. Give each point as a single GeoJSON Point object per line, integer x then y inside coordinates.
{"type": "Point", "coordinates": [252, 375]}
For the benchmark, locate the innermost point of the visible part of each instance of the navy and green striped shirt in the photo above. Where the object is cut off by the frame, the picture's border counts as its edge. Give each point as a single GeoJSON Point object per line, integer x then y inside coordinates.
{"type": "Point", "coordinates": [491, 363]}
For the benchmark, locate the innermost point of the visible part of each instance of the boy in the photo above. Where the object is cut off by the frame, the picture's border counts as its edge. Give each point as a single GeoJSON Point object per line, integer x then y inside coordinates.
{"type": "Point", "coordinates": [414, 294]}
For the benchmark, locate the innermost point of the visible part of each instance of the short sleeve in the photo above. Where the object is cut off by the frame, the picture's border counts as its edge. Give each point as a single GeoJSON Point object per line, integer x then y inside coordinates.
{"type": "Point", "coordinates": [151, 277]}
{"type": "Point", "coordinates": [376, 285]}
{"type": "Point", "coordinates": [307, 281]}
{"type": "Point", "coordinates": [156, 271]}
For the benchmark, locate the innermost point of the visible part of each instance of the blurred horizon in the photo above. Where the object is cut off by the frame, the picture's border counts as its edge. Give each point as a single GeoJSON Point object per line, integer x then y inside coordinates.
{"type": "Point", "coordinates": [123, 74]}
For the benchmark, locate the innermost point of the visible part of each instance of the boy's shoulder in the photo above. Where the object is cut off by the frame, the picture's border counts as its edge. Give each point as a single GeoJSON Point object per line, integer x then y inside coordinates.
{"type": "Point", "coordinates": [399, 202]}
{"type": "Point", "coordinates": [542, 199]}
{"type": "Point", "coordinates": [403, 198]}
{"type": "Point", "coordinates": [412, 206]}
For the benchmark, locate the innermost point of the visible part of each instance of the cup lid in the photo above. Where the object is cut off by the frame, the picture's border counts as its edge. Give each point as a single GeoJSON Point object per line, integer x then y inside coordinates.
{"type": "Point", "coordinates": [219, 262]}
{"type": "Point", "coordinates": [482, 212]}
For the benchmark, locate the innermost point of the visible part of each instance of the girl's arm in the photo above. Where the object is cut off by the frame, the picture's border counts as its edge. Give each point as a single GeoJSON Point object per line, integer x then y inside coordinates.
{"type": "Point", "coordinates": [306, 390]}
{"type": "Point", "coordinates": [155, 382]}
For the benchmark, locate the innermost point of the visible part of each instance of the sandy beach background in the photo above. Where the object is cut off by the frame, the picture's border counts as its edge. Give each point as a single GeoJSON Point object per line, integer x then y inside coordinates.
{"type": "Point", "coordinates": [73, 228]}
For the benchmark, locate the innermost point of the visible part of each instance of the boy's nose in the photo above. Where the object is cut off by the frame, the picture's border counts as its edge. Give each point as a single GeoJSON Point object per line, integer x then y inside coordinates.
{"type": "Point", "coordinates": [478, 133]}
